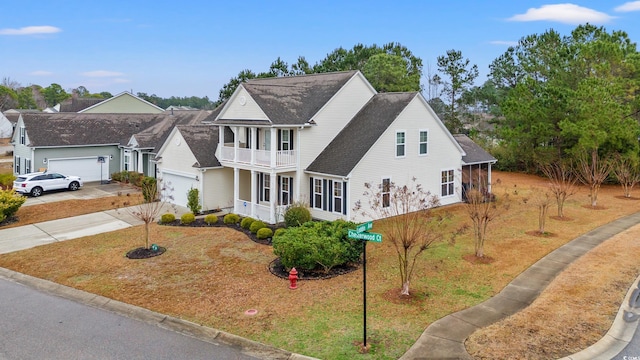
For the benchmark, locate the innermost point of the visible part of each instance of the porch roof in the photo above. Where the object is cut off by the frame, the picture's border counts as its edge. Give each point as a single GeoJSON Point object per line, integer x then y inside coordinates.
{"type": "Point", "coordinates": [474, 153]}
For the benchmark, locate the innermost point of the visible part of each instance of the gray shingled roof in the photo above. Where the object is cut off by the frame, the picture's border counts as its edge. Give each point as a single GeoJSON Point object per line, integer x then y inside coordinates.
{"type": "Point", "coordinates": [294, 100]}
{"type": "Point", "coordinates": [203, 141]}
{"type": "Point", "coordinates": [352, 143]}
{"type": "Point", "coordinates": [77, 104]}
{"type": "Point", "coordinates": [72, 129]}
{"type": "Point", "coordinates": [155, 135]}
{"type": "Point", "coordinates": [475, 154]}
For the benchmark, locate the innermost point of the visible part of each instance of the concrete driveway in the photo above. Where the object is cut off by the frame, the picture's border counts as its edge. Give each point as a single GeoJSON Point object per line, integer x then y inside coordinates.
{"type": "Point", "coordinates": [91, 190]}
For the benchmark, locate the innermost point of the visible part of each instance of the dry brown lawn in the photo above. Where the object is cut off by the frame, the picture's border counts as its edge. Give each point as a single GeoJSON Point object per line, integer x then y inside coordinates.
{"type": "Point", "coordinates": [212, 275]}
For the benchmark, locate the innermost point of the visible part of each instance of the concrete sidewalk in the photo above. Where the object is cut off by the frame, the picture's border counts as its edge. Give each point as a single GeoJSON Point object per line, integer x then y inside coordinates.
{"type": "Point", "coordinates": [444, 339]}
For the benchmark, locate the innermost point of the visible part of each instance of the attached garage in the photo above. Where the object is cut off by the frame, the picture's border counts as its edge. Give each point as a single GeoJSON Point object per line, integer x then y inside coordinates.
{"type": "Point", "coordinates": [90, 168]}
{"type": "Point", "coordinates": [178, 185]}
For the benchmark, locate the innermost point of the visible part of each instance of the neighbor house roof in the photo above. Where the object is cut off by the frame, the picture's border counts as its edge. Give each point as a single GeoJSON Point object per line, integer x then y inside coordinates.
{"type": "Point", "coordinates": [293, 100]}
{"type": "Point", "coordinates": [76, 104]}
{"type": "Point", "coordinates": [474, 153]}
{"type": "Point", "coordinates": [73, 129]}
{"type": "Point", "coordinates": [203, 141]}
{"type": "Point", "coordinates": [352, 143]}
{"type": "Point", "coordinates": [154, 136]}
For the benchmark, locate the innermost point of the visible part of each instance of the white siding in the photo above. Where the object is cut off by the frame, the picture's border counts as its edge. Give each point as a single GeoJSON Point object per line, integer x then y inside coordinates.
{"type": "Point", "coordinates": [217, 189]}
{"type": "Point", "coordinates": [333, 118]}
{"type": "Point", "coordinates": [380, 161]}
{"type": "Point", "coordinates": [236, 110]}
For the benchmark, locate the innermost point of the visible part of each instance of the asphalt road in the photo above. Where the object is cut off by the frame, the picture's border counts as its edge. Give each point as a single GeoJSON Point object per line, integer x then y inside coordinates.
{"type": "Point", "coordinates": [35, 325]}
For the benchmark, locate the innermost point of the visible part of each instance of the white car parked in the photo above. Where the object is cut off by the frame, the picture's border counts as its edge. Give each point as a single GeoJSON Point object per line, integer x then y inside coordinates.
{"type": "Point", "coordinates": [36, 183]}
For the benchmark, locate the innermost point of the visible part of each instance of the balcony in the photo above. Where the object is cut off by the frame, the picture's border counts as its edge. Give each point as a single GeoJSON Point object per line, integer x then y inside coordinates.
{"type": "Point", "coordinates": [259, 158]}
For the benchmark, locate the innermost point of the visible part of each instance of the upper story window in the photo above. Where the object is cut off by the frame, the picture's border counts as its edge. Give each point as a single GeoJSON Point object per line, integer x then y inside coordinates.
{"type": "Point", "coordinates": [386, 192]}
{"type": "Point", "coordinates": [400, 143]}
{"type": "Point", "coordinates": [285, 140]}
{"type": "Point", "coordinates": [447, 183]}
{"type": "Point", "coordinates": [423, 142]}
{"type": "Point", "coordinates": [22, 136]}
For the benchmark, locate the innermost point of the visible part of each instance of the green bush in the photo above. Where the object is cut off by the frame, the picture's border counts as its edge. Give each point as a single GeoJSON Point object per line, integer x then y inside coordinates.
{"type": "Point", "coordinates": [279, 232]}
{"type": "Point", "coordinates": [210, 219]}
{"type": "Point", "coordinates": [193, 200]}
{"type": "Point", "coordinates": [246, 222]}
{"type": "Point", "coordinates": [187, 218]}
{"type": "Point", "coordinates": [6, 181]}
{"type": "Point", "coordinates": [317, 245]}
{"type": "Point", "coordinates": [149, 187]}
{"type": "Point", "coordinates": [257, 225]}
{"type": "Point", "coordinates": [167, 218]}
{"type": "Point", "coordinates": [264, 233]}
{"type": "Point", "coordinates": [296, 215]}
{"type": "Point", "coordinates": [231, 219]}
{"type": "Point", "coordinates": [10, 202]}
{"type": "Point", "coordinates": [135, 178]}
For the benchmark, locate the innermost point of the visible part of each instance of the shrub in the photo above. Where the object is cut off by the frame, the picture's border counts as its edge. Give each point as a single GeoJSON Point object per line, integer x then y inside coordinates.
{"type": "Point", "coordinates": [149, 187]}
{"type": "Point", "coordinates": [317, 245]}
{"type": "Point", "coordinates": [264, 233]}
{"type": "Point", "coordinates": [296, 215]}
{"type": "Point", "coordinates": [167, 218]}
{"type": "Point", "coordinates": [231, 219]}
{"type": "Point", "coordinates": [187, 218]}
{"type": "Point", "coordinates": [10, 202]}
{"type": "Point", "coordinates": [135, 178]}
{"type": "Point", "coordinates": [279, 232]}
{"type": "Point", "coordinates": [210, 219]}
{"type": "Point", "coordinates": [193, 200]}
{"type": "Point", "coordinates": [257, 225]}
{"type": "Point", "coordinates": [6, 181]}
{"type": "Point", "coordinates": [246, 222]}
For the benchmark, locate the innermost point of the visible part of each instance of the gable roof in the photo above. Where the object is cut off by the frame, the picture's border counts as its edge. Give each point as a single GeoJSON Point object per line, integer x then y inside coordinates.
{"type": "Point", "coordinates": [122, 94]}
{"type": "Point", "coordinates": [293, 100]}
{"type": "Point", "coordinates": [74, 129]}
{"type": "Point", "coordinates": [352, 143]}
{"type": "Point", "coordinates": [203, 142]}
{"type": "Point", "coordinates": [474, 153]}
{"type": "Point", "coordinates": [155, 135]}
{"type": "Point", "coordinates": [76, 104]}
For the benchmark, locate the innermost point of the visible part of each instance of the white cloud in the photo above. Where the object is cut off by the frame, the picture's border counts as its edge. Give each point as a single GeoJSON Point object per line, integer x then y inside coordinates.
{"type": "Point", "coordinates": [628, 6]}
{"type": "Point", "coordinates": [31, 30]}
{"type": "Point", "coordinates": [41, 73]}
{"type": "Point", "coordinates": [101, 73]}
{"type": "Point", "coordinates": [563, 13]}
{"type": "Point", "coordinates": [503, 42]}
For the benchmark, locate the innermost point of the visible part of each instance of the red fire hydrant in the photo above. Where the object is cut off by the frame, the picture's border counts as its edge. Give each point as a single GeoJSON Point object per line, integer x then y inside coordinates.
{"type": "Point", "coordinates": [293, 278]}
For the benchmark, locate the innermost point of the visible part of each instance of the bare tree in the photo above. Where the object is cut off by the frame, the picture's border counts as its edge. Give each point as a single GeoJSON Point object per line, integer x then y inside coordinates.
{"type": "Point", "coordinates": [627, 172]}
{"type": "Point", "coordinates": [562, 183]}
{"type": "Point", "coordinates": [541, 200]}
{"type": "Point", "coordinates": [154, 199]}
{"type": "Point", "coordinates": [592, 171]}
{"type": "Point", "coordinates": [482, 211]}
{"type": "Point", "coordinates": [409, 224]}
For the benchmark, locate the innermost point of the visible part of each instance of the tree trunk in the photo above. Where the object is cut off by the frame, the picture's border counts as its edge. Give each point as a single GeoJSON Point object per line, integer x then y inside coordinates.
{"type": "Point", "coordinates": [405, 288]}
{"type": "Point", "coordinates": [146, 234]}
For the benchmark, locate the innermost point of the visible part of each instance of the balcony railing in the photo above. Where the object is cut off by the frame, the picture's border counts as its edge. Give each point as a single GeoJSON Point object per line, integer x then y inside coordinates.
{"type": "Point", "coordinates": [283, 158]}
{"type": "Point", "coordinates": [260, 211]}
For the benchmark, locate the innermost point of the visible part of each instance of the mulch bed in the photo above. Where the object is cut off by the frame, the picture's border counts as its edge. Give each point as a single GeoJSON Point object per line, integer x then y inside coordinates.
{"type": "Point", "coordinates": [9, 220]}
{"type": "Point", "coordinates": [220, 223]}
{"type": "Point", "coordinates": [144, 253]}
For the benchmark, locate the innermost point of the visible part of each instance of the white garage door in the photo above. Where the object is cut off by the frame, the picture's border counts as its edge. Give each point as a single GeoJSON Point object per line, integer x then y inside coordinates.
{"type": "Point", "coordinates": [91, 168]}
{"type": "Point", "coordinates": [178, 186]}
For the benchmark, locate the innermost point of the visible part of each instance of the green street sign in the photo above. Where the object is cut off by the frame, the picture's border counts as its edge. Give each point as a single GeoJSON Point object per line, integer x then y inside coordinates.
{"type": "Point", "coordinates": [365, 226]}
{"type": "Point", "coordinates": [375, 237]}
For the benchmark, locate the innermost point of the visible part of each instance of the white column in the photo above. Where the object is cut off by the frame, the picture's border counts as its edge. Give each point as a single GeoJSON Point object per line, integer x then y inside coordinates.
{"type": "Point", "coordinates": [140, 162]}
{"type": "Point", "coordinates": [252, 144]}
{"type": "Point", "coordinates": [236, 142]}
{"type": "Point", "coordinates": [221, 138]}
{"type": "Point", "coordinates": [236, 189]}
{"type": "Point", "coordinates": [273, 196]}
{"type": "Point", "coordinates": [254, 193]}
{"type": "Point", "coordinates": [274, 147]}
{"type": "Point", "coordinates": [489, 178]}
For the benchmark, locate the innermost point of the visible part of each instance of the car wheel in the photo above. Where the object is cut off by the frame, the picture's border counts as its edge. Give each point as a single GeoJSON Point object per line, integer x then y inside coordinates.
{"type": "Point", "coordinates": [36, 191]}
{"type": "Point", "coordinates": [74, 186]}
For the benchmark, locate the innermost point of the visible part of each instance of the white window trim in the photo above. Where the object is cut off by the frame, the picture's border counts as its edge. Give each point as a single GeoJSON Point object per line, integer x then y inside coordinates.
{"type": "Point", "coordinates": [27, 166]}
{"type": "Point", "coordinates": [266, 187]}
{"type": "Point", "coordinates": [453, 181]}
{"type": "Point", "coordinates": [420, 142]}
{"type": "Point", "coordinates": [382, 190]}
{"type": "Point", "coordinates": [23, 135]}
{"type": "Point", "coordinates": [285, 180]}
{"type": "Point", "coordinates": [16, 164]}
{"type": "Point", "coordinates": [283, 141]}
{"type": "Point", "coordinates": [341, 197]}
{"type": "Point", "coordinates": [317, 204]}
{"type": "Point", "coordinates": [404, 145]}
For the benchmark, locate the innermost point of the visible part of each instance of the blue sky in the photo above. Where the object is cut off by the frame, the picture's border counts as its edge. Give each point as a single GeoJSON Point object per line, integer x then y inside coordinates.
{"type": "Point", "coordinates": [192, 48]}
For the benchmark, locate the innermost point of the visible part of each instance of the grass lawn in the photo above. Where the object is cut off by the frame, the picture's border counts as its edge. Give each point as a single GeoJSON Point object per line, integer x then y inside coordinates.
{"type": "Point", "coordinates": [212, 275]}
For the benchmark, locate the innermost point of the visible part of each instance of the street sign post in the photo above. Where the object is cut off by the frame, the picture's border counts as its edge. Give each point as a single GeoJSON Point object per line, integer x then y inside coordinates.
{"type": "Point", "coordinates": [362, 233]}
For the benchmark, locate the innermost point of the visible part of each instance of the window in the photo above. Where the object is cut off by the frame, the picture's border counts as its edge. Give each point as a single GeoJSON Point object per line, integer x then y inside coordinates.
{"type": "Point", "coordinates": [400, 143]}
{"type": "Point", "coordinates": [285, 140]}
{"type": "Point", "coordinates": [423, 141]}
{"type": "Point", "coordinates": [337, 196]}
{"type": "Point", "coordinates": [267, 139]}
{"type": "Point", "coordinates": [16, 162]}
{"type": "Point", "coordinates": [127, 160]}
{"type": "Point", "coordinates": [447, 183]}
{"type": "Point", "coordinates": [317, 193]}
{"type": "Point", "coordinates": [285, 190]}
{"type": "Point", "coordinates": [386, 192]}
{"type": "Point", "coordinates": [27, 165]}
{"type": "Point", "coordinates": [22, 136]}
{"type": "Point", "coordinates": [266, 187]}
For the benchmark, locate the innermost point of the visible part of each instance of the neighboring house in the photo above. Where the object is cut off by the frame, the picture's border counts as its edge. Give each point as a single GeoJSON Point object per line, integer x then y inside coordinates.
{"type": "Point", "coordinates": [123, 103]}
{"type": "Point", "coordinates": [6, 127]}
{"type": "Point", "coordinates": [476, 166]}
{"type": "Point", "coordinates": [186, 160]}
{"type": "Point", "coordinates": [319, 138]}
{"type": "Point", "coordinates": [77, 104]}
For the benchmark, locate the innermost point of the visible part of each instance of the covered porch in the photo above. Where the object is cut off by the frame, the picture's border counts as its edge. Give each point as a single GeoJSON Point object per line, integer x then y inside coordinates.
{"type": "Point", "coordinates": [263, 195]}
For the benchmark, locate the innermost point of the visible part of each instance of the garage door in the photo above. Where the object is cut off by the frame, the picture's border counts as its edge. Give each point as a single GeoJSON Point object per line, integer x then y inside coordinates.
{"type": "Point", "coordinates": [178, 186]}
{"type": "Point", "coordinates": [92, 168]}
